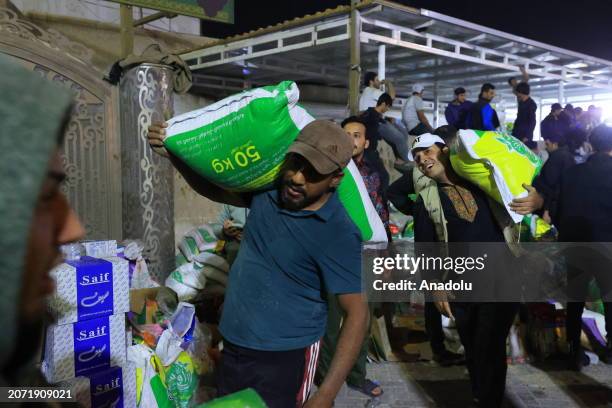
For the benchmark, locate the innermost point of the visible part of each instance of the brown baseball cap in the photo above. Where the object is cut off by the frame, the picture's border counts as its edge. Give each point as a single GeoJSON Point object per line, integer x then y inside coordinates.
{"type": "Point", "coordinates": [325, 145]}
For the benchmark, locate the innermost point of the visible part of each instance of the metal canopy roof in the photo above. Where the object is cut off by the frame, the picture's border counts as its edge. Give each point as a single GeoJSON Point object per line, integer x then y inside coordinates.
{"type": "Point", "coordinates": [420, 46]}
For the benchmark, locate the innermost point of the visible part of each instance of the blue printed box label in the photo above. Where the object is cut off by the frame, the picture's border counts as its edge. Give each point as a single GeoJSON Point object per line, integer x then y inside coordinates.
{"type": "Point", "coordinates": [94, 287]}
{"type": "Point", "coordinates": [91, 345]}
{"type": "Point", "coordinates": [106, 389]}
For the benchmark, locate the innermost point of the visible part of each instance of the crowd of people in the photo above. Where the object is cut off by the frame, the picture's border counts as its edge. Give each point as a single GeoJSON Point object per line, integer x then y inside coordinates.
{"type": "Point", "coordinates": [295, 290]}
{"type": "Point", "coordinates": [568, 193]}
{"type": "Point", "coordinates": [467, 215]}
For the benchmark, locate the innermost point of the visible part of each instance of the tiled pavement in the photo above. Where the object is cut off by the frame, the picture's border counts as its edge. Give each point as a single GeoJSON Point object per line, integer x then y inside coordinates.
{"type": "Point", "coordinates": [423, 384]}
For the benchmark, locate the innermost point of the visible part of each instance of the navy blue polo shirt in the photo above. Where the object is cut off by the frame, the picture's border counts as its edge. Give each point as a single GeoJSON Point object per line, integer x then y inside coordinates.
{"type": "Point", "coordinates": [287, 263]}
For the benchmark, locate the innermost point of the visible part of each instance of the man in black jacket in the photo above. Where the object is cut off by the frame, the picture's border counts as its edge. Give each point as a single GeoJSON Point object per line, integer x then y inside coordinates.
{"type": "Point", "coordinates": [585, 215]}
{"type": "Point", "coordinates": [526, 117]}
{"type": "Point", "coordinates": [482, 116]}
{"type": "Point", "coordinates": [549, 181]}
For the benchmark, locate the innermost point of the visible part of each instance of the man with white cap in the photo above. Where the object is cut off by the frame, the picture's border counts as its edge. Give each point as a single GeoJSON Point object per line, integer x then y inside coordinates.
{"type": "Point", "coordinates": [449, 209]}
{"type": "Point", "coordinates": [413, 113]}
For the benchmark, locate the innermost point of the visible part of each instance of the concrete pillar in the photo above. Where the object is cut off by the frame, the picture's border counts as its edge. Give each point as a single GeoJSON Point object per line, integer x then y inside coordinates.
{"type": "Point", "coordinates": [146, 95]}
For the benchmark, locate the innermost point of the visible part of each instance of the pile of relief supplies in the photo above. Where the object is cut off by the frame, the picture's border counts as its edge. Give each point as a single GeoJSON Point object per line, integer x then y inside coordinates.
{"type": "Point", "coordinates": [121, 340]}
{"type": "Point", "coordinates": [201, 264]}
{"type": "Point", "coordinates": [86, 348]}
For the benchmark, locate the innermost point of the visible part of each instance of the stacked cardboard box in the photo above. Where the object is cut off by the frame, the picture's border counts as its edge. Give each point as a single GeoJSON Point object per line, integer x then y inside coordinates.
{"type": "Point", "coordinates": [86, 348]}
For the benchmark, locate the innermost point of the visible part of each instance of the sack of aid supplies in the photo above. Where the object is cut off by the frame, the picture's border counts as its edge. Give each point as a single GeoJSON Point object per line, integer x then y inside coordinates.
{"type": "Point", "coordinates": [239, 144]}
{"type": "Point", "coordinates": [497, 163]}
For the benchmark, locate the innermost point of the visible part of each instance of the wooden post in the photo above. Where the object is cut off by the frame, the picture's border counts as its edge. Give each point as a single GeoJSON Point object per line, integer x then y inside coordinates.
{"type": "Point", "coordinates": [355, 64]}
{"type": "Point", "coordinates": [127, 30]}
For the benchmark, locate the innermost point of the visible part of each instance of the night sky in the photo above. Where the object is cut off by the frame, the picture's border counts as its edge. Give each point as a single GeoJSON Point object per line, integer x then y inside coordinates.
{"type": "Point", "coordinates": [584, 26]}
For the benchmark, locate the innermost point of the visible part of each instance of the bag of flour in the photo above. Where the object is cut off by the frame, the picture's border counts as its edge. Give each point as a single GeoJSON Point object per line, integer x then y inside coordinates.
{"type": "Point", "coordinates": [496, 162]}
{"type": "Point", "coordinates": [239, 144]}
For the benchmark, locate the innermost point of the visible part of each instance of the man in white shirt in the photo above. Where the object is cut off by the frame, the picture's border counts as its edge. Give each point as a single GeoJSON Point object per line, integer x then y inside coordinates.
{"type": "Point", "coordinates": [370, 100]}
{"type": "Point", "coordinates": [371, 92]}
{"type": "Point", "coordinates": [413, 113]}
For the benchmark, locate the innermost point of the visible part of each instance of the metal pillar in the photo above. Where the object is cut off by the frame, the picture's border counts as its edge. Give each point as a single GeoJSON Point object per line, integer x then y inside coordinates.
{"type": "Point", "coordinates": [382, 48]}
{"type": "Point", "coordinates": [355, 67]}
{"type": "Point", "coordinates": [126, 30]}
{"type": "Point", "coordinates": [147, 178]}
{"type": "Point", "coordinates": [541, 109]}
{"type": "Point", "coordinates": [436, 109]}
{"type": "Point", "coordinates": [561, 95]}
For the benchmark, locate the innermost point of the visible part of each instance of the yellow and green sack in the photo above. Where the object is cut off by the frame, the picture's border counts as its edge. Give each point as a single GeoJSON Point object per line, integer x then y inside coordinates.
{"type": "Point", "coordinates": [240, 142]}
{"type": "Point", "coordinates": [534, 228]}
{"type": "Point", "coordinates": [496, 162]}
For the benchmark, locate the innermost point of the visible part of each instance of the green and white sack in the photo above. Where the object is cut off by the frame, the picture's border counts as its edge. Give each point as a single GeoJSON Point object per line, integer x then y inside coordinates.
{"type": "Point", "coordinates": [188, 248]}
{"type": "Point", "coordinates": [204, 237]}
{"type": "Point", "coordinates": [239, 143]}
{"type": "Point", "coordinates": [186, 281]}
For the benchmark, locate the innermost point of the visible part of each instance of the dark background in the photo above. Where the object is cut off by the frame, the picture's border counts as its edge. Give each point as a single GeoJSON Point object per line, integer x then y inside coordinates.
{"type": "Point", "coordinates": [583, 26]}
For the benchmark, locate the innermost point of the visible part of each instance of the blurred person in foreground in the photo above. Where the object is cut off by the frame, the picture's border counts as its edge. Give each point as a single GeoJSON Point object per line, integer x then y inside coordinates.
{"type": "Point", "coordinates": [35, 216]}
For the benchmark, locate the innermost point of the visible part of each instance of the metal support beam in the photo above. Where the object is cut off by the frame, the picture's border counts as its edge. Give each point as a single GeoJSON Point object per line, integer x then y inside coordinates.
{"type": "Point", "coordinates": [127, 30]}
{"type": "Point", "coordinates": [268, 44]}
{"type": "Point", "coordinates": [561, 92]}
{"type": "Point", "coordinates": [273, 67]}
{"type": "Point", "coordinates": [394, 34]}
{"type": "Point", "coordinates": [476, 38]}
{"type": "Point", "coordinates": [425, 25]}
{"type": "Point", "coordinates": [153, 17]}
{"type": "Point", "coordinates": [541, 109]}
{"type": "Point", "coordinates": [436, 108]}
{"type": "Point", "coordinates": [381, 61]}
{"type": "Point", "coordinates": [355, 63]}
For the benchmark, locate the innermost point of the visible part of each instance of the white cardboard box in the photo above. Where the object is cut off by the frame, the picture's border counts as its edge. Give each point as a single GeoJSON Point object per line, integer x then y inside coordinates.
{"type": "Point", "coordinates": [89, 288]}
{"type": "Point", "coordinates": [115, 387]}
{"type": "Point", "coordinates": [100, 249]}
{"type": "Point", "coordinates": [84, 348]}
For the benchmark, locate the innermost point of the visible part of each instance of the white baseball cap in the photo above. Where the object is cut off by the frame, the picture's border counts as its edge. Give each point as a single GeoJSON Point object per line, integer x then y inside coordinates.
{"type": "Point", "coordinates": [418, 88]}
{"type": "Point", "coordinates": [423, 142]}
